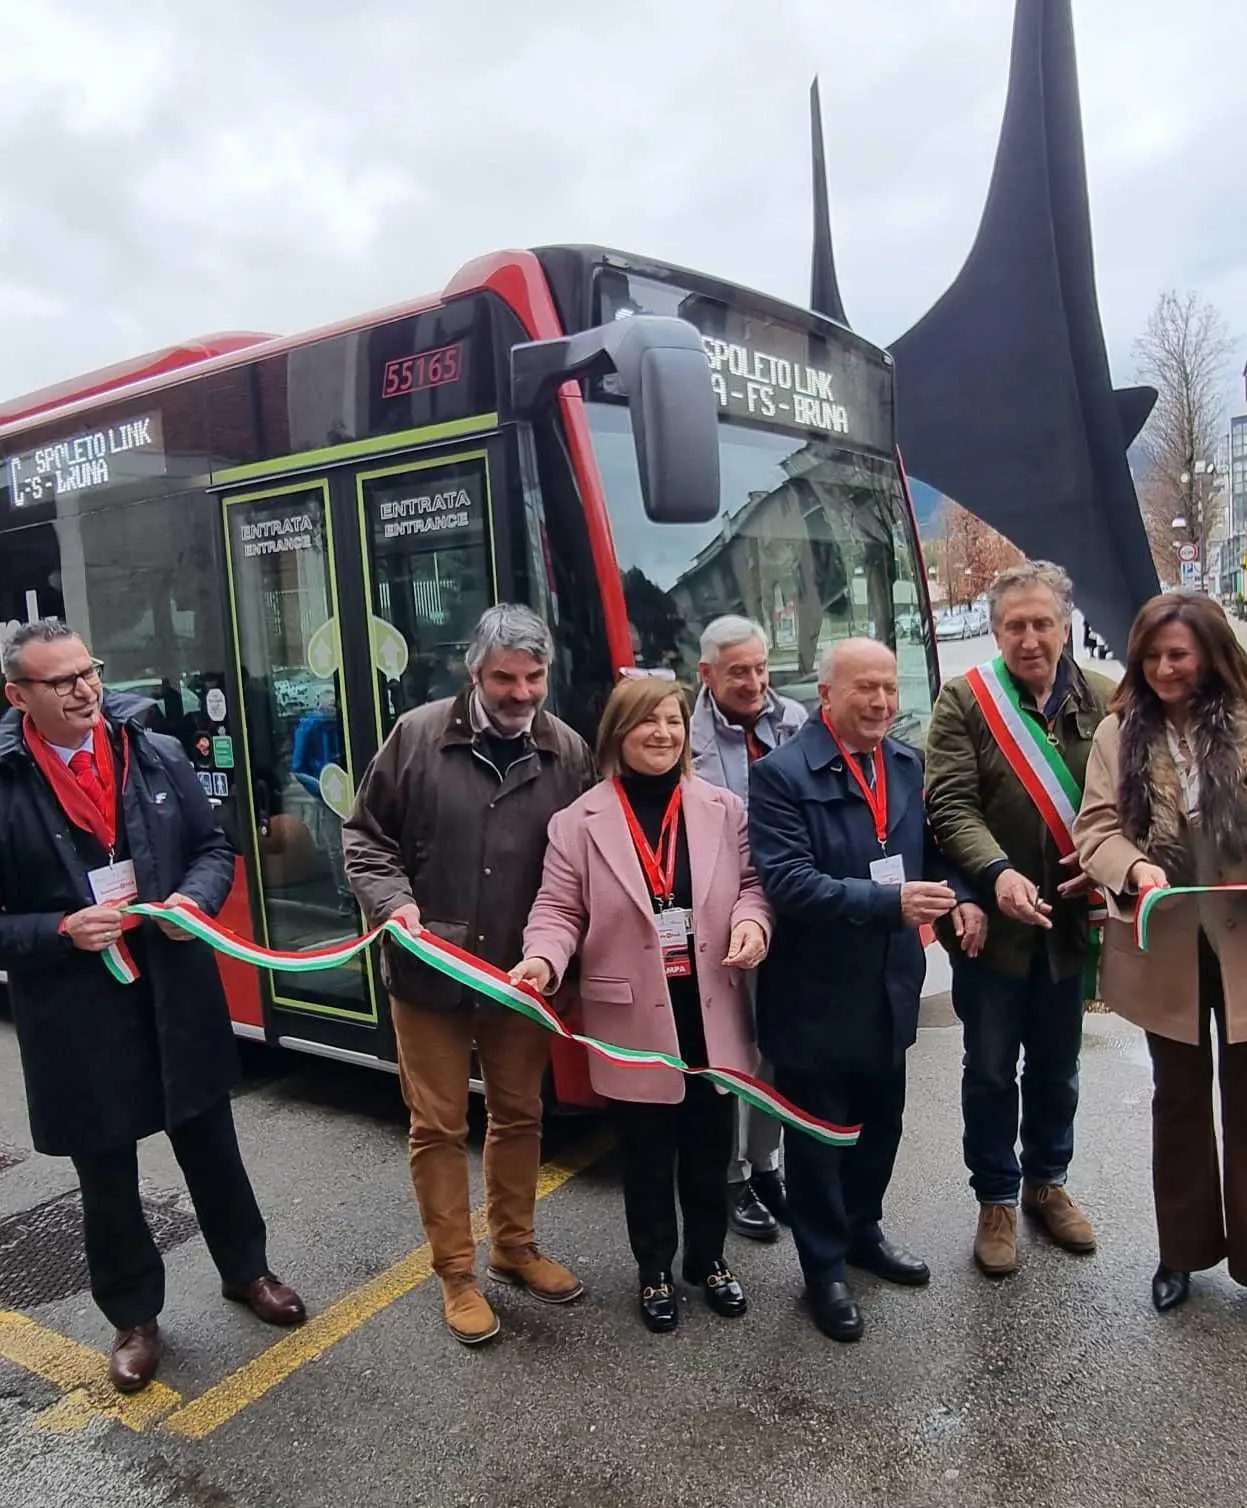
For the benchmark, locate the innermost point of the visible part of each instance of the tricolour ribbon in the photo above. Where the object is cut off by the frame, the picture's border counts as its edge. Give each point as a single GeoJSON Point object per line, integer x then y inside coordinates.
{"type": "Point", "coordinates": [475, 974]}
{"type": "Point", "coordinates": [1152, 898]}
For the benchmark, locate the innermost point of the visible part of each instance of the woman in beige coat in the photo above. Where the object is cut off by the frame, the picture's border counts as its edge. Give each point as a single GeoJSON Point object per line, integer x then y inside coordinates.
{"type": "Point", "coordinates": [1166, 804]}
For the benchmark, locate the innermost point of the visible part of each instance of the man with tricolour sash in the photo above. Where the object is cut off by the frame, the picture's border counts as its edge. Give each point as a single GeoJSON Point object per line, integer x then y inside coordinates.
{"type": "Point", "coordinates": [1006, 759]}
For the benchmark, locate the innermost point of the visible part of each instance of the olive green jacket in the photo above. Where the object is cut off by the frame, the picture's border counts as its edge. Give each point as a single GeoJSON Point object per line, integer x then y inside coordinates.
{"type": "Point", "coordinates": [984, 822]}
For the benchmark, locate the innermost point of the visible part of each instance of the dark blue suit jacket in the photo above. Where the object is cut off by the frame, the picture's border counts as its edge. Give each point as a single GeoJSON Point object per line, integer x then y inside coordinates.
{"type": "Point", "coordinates": [839, 989]}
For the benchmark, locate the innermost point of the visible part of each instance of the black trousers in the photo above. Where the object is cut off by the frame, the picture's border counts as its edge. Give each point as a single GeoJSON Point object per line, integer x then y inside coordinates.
{"type": "Point", "coordinates": [127, 1273]}
{"type": "Point", "coordinates": [663, 1147]}
{"type": "Point", "coordinates": [835, 1194]}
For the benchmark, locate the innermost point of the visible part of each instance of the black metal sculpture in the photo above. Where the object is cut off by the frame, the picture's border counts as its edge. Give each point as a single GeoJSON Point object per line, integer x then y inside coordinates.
{"type": "Point", "coordinates": [1004, 399]}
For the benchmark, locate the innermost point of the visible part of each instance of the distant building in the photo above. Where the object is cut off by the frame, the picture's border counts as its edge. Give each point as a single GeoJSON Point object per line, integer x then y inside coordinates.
{"type": "Point", "coordinates": [1234, 572]}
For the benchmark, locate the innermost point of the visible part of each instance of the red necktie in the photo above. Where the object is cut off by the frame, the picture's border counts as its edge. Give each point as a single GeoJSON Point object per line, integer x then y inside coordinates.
{"type": "Point", "coordinates": [82, 766]}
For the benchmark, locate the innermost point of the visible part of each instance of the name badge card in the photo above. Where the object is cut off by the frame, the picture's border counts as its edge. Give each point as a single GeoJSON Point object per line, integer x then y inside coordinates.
{"type": "Point", "coordinates": [889, 870]}
{"type": "Point", "coordinates": [114, 884]}
{"type": "Point", "coordinates": [674, 926]}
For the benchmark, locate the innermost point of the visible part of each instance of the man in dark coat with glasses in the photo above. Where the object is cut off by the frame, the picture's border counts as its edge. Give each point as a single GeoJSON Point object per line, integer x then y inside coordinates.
{"type": "Point", "coordinates": [96, 810]}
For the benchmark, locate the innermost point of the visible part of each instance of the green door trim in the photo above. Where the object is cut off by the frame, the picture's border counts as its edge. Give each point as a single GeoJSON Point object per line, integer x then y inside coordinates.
{"type": "Point", "coordinates": [365, 541]}
{"type": "Point", "coordinates": [368, 1016]}
{"type": "Point", "coordinates": [353, 450]}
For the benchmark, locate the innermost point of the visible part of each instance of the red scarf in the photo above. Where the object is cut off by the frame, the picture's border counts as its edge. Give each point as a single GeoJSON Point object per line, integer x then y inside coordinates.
{"type": "Point", "coordinates": [77, 805]}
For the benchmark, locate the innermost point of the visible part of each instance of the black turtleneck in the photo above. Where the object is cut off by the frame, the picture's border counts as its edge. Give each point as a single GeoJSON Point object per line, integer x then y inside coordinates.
{"type": "Point", "coordinates": [648, 796]}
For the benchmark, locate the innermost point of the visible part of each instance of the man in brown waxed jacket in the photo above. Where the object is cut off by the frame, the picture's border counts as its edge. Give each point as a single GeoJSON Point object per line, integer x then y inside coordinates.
{"type": "Point", "coordinates": [449, 832]}
{"type": "Point", "coordinates": [1022, 991]}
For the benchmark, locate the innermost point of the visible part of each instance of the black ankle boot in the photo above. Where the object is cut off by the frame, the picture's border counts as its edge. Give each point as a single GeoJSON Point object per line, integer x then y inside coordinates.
{"type": "Point", "coordinates": [1170, 1288]}
{"type": "Point", "coordinates": [659, 1309]}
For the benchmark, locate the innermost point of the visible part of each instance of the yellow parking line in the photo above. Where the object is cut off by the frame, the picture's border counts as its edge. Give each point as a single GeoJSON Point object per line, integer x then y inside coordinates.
{"type": "Point", "coordinates": [82, 1374]}
{"type": "Point", "coordinates": [221, 1403]}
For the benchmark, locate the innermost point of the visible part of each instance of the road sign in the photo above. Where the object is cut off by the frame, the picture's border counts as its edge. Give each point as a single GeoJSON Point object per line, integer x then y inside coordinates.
{"type": "Point", "coordinates": [1190, 573]}
{"type": "Point", "coordinates": [1188, 552]}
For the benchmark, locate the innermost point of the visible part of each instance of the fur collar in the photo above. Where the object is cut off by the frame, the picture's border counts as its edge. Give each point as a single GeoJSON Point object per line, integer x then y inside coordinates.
{"type": "Point", "coordinates": [1150, 794]}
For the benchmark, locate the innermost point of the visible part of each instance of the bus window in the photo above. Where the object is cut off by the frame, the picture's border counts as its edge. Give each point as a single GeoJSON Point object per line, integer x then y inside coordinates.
{"type": "Point", "coordinates": [428, 543]}
{"type": "Point", "coordinates": [812, 543]}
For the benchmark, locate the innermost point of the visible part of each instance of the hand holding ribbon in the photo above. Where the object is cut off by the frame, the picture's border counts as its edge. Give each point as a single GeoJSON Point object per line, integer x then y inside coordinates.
{"type": "Point", "coordinates": [1151, 896]}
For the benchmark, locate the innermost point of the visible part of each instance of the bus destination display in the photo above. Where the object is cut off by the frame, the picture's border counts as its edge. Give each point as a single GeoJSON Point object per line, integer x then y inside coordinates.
{"type": "Point", "coordinates": [87, 462]}
{"type": "Point", "coordinates": [768, 370]}
{"type": "Point", "coordinates": [764, 386]}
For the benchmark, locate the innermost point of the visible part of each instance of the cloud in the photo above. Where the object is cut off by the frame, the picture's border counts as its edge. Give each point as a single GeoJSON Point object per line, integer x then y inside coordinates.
{"type": "Point", "coordinates": [170, 170]}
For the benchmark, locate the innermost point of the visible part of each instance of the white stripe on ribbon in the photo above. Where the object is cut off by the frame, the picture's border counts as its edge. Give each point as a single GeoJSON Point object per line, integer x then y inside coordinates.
{"type": "Point", "coordinates": [1025, 735]}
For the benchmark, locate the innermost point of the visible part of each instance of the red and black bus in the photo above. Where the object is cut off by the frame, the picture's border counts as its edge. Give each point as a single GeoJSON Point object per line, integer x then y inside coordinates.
{"type": "Point", "coordinates": [285, 543]}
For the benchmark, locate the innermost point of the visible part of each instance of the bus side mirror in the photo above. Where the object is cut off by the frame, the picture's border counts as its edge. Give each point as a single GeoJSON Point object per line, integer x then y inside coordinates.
{"type": "Point", "coordinates": [662, 370]}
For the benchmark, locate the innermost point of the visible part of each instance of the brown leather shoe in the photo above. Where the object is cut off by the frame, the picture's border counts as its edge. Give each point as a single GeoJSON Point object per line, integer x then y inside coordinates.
{"type": "Point", "coordinates": [136, 1355]}
{"type": "Point", "coordinates": [545, 1279]}
{"type": "Point", "coordinates": [995, 1241]}
{"type": "Point", "coordinates": [269, 1299]}
{"type": "Point", "coordinates": [1059, 1215]}
{"type": "Point", "coordinates": [469, 1317]}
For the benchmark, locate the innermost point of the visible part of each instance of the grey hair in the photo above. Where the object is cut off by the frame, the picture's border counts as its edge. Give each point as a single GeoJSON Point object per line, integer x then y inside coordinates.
{"type": "Point", "coordinates": [1025, 577]}
{"type": "Point", "coordinates": [726, 633]}
{"type": "Point", "coordinates": [45, 631]}
{"type": "Point", "coordinates": [509, 626]}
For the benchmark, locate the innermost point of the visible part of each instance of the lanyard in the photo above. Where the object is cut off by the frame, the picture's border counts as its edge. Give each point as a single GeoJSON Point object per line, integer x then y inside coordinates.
{"type": "Point", "coordinates": [877, 799]}
{"type": "Point", "coordinates": [659, 866]}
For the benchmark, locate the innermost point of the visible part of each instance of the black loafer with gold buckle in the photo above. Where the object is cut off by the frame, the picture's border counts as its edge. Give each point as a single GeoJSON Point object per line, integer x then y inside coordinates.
{"type": "Point", "coordinates": [658, 1303]}
{"type": "Point", "coordinates": [723, 1292]}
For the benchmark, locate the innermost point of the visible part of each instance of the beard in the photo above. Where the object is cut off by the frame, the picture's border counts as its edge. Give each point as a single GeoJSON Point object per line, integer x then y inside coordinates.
{"type": "Point", "coordinates": [507, 717]}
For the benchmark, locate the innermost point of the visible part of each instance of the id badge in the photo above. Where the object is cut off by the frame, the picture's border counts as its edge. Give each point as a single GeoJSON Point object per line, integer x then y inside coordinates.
{"type": "Point", "coordinates": [114, 884]}
{"type": "Point", "coordinates": [674, 926]}
{"type": "Point", "coordinates": [890, 870]}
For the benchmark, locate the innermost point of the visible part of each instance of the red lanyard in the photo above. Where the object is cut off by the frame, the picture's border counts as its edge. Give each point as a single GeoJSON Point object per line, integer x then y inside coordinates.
{"type": "Point", "coordinates": [659, 866]}
{"type": "Point", "coordinates": [876, 800]}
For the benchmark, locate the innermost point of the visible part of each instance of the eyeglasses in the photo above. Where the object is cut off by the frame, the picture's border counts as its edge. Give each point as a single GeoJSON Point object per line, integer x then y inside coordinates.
{"type": "Point", "coordinates": [65, 685]}
{"type": "Point", "coordinates": [644, 673]}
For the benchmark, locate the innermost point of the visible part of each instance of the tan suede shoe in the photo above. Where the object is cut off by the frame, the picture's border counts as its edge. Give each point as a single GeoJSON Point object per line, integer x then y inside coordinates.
{"type": "Point", "coordinates": [468, 1315]}
{"type": "Point", "coordinates": [1059, 1215]}
{"type": "Point", "coordinates": [525, 1267]}
{"type": "Point", "coordinates": [995, 1241]}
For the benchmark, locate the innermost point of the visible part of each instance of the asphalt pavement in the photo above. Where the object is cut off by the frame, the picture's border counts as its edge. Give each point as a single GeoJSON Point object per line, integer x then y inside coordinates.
{"type": "Point", "coordinates": [1059, 1387]}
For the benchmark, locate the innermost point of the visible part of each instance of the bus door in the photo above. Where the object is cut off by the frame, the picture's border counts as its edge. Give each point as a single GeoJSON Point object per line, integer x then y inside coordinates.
{"type": "Point", "coordinates": [298, 761]}
{"type": "Point", "coordinates": [353, 595]}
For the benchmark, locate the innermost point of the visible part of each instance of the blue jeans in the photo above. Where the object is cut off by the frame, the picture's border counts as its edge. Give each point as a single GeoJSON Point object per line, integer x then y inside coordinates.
{"type": "Point", "coordinates": [1002, 1019]}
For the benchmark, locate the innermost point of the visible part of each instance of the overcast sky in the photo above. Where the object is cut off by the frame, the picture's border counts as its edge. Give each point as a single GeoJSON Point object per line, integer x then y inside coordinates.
{"type": "Point", "coordinates": [167, 169]}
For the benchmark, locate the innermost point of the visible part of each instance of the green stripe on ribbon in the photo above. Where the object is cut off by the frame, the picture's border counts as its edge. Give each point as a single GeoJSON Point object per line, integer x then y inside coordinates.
{"type": "Point", "coordinates": [1051, 755]}
{"type": "Point", "coordinates": [1150, 899]}
{"type": "Point", "coordinates": [483, 978]}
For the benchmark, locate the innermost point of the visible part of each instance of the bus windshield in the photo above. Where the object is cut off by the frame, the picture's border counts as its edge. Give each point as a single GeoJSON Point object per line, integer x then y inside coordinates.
{"type": "Point", "coordinates": [813, 542]}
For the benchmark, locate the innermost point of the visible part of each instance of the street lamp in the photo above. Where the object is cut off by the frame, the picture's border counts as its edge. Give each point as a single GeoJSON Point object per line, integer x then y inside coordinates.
{"type": "Point", "coordinates": [1194, 519]}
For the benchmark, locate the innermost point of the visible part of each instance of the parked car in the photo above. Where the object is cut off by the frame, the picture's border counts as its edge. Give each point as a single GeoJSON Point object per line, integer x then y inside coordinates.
{"type": "Point", "coordinates": [978, 620]}
{"type": "Point", "coordinates": [953, 626]}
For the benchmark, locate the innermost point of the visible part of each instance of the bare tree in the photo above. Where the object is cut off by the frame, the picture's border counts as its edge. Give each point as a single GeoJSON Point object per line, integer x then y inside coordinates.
{"type": "Point", "coordinates": [1183, 354]}
{"type": "Point", "coordinates": [973, 553]}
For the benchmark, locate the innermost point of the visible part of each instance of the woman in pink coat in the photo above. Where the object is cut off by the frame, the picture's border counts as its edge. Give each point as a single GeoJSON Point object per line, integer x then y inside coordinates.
{"type": "Point", "coordinates": [648, 881]}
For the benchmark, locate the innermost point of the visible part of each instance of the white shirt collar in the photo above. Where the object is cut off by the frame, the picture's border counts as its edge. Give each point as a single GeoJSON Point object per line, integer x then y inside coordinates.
{"type": "Point", "coordinates": [67, 754]}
